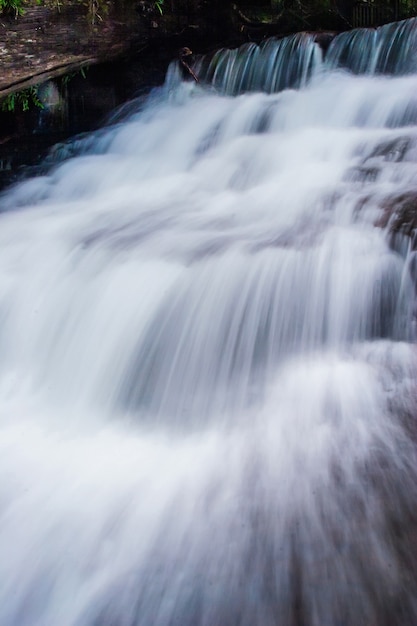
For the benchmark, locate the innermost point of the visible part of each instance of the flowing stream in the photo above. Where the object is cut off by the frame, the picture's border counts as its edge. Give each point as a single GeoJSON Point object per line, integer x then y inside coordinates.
{"type": "Point", "coordinates": [208, 369]}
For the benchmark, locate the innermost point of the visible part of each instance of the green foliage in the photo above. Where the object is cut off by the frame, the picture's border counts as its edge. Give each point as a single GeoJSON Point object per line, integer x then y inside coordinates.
{"type": "Point", "coordinates": [68, 77]}
{"type": "Point", "coordinates": [21, 100]}
{"type": "Point", "coordinates": [158, 5]}
{"type": "Point", "coordinates": [12, 6]}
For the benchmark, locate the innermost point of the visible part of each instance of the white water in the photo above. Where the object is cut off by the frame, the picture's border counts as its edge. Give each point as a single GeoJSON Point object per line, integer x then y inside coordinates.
{"type": "Point", "coordinates": [207, 376]}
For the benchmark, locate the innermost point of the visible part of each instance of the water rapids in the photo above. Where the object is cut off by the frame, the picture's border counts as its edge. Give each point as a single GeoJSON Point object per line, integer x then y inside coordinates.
{"type": "Point", "coordinates": [208, 368]}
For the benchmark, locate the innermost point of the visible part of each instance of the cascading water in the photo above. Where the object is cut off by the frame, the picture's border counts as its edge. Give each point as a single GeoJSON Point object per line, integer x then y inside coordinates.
{"type": "Point", "coordinates": [207, 382]}
{"type": "Point", "coordinates": [291, 62]}
{"type": "Point", "coordinates": [389, 49]}
{"type": "Point", "coordinates": [277, 64]}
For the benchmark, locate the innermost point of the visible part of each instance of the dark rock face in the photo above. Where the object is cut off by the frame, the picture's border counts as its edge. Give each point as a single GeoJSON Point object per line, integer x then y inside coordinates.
{"type": "Point", "coordinates": [44, 42]}
{"type": "Point", "coordinates": [49, 47]}
{"type": "Point", "coordinates": [324, 39]}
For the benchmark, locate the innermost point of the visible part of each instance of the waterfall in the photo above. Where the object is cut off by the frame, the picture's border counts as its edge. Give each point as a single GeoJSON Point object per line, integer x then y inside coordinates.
{"type": "Point", "coordinates": [208, 363]}
{"type": "Point", "coordinates": [273, 66]}
{"type": "Point", "coordinates": [291, 62]}
{"type": "Point", "coordinates": [389, 49]}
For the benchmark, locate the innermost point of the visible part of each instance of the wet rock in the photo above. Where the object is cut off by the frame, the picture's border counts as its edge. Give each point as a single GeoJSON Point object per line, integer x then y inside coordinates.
{"type": "Point", "coordinates": [324, 39]}
{"type": "Point", "coordinates": [399, 214]}
{"type": "Point", "coordinates": [363, 174]}
{"type": "Point", "coordinates": [392, 150]}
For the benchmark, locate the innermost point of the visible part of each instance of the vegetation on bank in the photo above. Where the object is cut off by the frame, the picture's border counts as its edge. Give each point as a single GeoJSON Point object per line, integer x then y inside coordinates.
{"type": "Point", "coordinates": [17, 7]}
{"type": "Point", "coordinates": [26, 99]}
{"type": "Point", "coordinates": [300, 14]}
{"type": "Point", "coordinates": [22, 100]}
{"type": "Point", "coordinates": [263, 9]}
